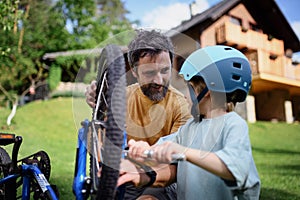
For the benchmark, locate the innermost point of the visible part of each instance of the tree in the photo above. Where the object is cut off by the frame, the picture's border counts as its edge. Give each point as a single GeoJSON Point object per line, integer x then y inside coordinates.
{"type": "Point", "coordinates": [29, 29]}
{"type": "Point", "coordinates": [9, 15]}
{"type": "Point", "coordinates": [39, 30]}
{"type": "Point", "coordinates": [90, 22]}
{"type": "Point", "coordinates": [93, 21]}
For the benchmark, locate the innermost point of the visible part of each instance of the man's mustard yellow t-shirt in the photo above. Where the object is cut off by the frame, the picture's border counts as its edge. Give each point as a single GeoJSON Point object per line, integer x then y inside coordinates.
{"type": "Point", "coordinates": [148, 120]}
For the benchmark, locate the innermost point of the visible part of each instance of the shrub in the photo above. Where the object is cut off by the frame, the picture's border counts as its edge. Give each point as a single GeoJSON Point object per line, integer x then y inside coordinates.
{"type": "Point", "coordinates": [55, 73]}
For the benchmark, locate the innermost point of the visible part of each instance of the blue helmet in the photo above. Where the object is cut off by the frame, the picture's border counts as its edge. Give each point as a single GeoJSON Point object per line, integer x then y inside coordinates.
{"type": "Point", "coordinates": [223, 68]}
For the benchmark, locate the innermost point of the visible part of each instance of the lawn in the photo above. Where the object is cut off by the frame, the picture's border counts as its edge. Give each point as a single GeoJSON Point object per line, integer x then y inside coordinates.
{"type": "Point", "coordinates": [276, 150]}
{"type": "Point", "coordinates": [52, 126]}
{"type": "Point", "coordinates": [49, 126]}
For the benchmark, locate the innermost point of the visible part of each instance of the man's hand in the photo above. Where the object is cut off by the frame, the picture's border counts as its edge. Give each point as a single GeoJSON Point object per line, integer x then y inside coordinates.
{"type": "Point", "coordinates": [90, 94]}
{"type": "Point", "coordinates": [129, 172]}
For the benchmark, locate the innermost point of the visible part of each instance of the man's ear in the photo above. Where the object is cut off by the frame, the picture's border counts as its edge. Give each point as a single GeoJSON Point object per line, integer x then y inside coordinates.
{"type": "Point", "coordinates": [134, 72]}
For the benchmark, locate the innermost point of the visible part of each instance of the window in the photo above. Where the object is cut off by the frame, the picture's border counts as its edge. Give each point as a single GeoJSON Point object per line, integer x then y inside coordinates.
{"type": "Point", "coordinates": [255, 27]}
{"type": "Point", "coordinates": [236, 20]}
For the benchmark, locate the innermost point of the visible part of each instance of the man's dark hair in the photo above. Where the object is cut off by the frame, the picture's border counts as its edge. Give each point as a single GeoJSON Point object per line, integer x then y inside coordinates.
{"type": "Point", "coordinates": [148, 43]}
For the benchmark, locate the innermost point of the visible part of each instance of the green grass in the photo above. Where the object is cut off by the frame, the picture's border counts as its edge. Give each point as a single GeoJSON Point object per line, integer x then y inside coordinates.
{"type": "Point", "coordinates": [276, 150]}
{"type": "Point", "coordinates": [49, 126]}
{"type": "Point", "coordinates": [52, 126]}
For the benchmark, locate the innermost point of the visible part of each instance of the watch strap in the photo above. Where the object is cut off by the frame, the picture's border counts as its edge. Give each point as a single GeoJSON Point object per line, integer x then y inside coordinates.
{"type": "Point", "coordinates": [151, 174]}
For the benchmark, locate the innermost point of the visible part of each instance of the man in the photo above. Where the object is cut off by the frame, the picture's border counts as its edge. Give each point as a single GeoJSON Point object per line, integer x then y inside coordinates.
{"type": "Point", "coordinates": [154, 108]}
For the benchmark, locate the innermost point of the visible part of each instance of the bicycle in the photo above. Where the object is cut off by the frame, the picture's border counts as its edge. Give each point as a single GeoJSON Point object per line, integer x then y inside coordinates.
{"type": "Point", "coordinates": [102, 138]}
{"type": "Point", "coordinates": [28, 176]}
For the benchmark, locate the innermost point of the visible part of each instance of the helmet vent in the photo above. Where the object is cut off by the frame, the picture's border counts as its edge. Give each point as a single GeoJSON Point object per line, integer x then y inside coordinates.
{"type": "Point", "coordinates": [236, 77]}
{"type": "Point", "coordinates": [227, 48]}
{"type": "Point", "coordinates": [237, 65]}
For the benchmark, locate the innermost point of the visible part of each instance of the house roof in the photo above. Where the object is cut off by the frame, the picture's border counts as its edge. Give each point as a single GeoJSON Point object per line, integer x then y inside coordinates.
{"type": "Point", "coordinates": [266, 13]}
{"type": "Point", "coordinates": [52, 56]}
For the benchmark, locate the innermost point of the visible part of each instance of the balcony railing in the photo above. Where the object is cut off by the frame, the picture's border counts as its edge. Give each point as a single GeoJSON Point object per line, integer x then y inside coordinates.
{"type": "Point", "coordinates": [233, 34]}
{"type": "Point", "coordinates": [281, 66]}
{"type": "Point", "coordinates": [265, 56]}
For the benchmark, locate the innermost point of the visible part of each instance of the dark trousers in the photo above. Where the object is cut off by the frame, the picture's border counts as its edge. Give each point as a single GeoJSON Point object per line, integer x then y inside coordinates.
{"type": "Point", "coordinates": [166, 193]}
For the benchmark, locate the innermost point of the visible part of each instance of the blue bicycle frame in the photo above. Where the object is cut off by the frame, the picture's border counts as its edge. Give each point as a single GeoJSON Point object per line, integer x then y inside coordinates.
{"type": "Point", "coordinates": [26, 173]}
{"type": "Point", "coordinates": [82, 183]}
{"type": "Point", "coordinates": [29, 170]}
{"type": "Point", "coordinates": [29, 173]}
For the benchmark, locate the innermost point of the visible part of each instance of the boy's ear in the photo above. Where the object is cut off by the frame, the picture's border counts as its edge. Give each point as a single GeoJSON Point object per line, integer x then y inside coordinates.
{"type": "Point", "coordinates": [134, 72]}
{"type": "Point", "coordinates": [207, 94]}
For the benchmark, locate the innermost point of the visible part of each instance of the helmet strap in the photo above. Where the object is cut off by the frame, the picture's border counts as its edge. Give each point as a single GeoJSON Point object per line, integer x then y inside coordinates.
{"type": "Point", "coordinates": [195, 100]}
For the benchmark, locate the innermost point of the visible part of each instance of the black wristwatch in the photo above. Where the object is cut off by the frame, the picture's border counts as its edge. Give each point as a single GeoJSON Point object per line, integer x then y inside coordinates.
{"type": "Point", "coordinates": [152, 175]}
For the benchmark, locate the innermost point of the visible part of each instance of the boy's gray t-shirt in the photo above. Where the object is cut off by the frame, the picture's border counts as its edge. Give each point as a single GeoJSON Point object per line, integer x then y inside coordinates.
{"type": "Point", "coordinates": [226, 136]}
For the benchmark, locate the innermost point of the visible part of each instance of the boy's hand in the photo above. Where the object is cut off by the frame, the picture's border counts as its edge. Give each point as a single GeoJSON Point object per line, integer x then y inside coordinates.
{"type": "Point", "coordinates": [137, 148]}
{"type": "Point", "coordinates": [167, 152]}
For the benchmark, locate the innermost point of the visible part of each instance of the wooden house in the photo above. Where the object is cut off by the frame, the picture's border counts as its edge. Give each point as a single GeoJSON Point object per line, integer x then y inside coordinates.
{"type": "Point", "coordinates": [259, 30]}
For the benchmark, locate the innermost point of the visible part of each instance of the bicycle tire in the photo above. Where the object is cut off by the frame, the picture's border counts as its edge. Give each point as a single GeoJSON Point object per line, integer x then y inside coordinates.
{"type": "Point", "coordinates": [112, 69]}
{"type": "Point", "coordinates": [44, 163]}
{"type": "Point", "coordinates": [8, 189]}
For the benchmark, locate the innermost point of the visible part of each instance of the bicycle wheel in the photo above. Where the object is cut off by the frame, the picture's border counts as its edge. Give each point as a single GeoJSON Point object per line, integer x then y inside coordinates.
{"type": "Point", "coordinates": [8, 189]}
{"type": "Point", "coordinates": [109, 121]}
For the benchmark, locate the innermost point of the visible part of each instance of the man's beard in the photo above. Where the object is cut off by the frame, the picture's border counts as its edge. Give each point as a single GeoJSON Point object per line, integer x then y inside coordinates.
{"type": "Point", "coordinates": [149, 91]}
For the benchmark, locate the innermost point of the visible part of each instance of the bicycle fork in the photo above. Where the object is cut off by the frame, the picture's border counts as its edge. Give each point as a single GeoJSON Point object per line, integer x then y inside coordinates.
{"type": "Point", "coordinates": [81, 183]}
